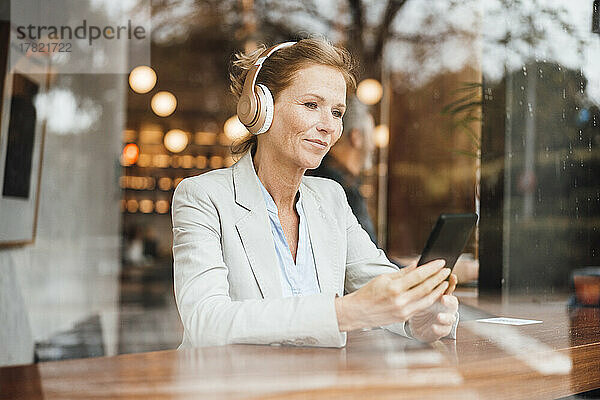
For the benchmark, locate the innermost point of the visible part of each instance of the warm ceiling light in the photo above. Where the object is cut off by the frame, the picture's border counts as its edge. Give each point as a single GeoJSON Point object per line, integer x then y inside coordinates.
{"type": "Point", "coordinates": [175, 162]}
{"type": "Point", "coordinates": [205, 138]}
{"type": "Point", "coordinates": [187, 161]}
{"type": "Point", "coordinates": [234, 129]}
{"type": "Point", "coordinates": [130, 154]}
{"type": "Point", "coordinates": [162, 206]}
{"type": "Point", "coordinates": [132, 206]}
{"type": "Point", "coordinates": [216, 162]}
{"type": "Point", "coordinates": [145, 160]}
{"type": "Point", "coordinates": [164, 183]}
{"type": "Point", "coordinates": [163, 103]}
{"type": "Point", "coordinates": [151, 135]}
{"type": "Point", "coordinates": [142, 79]}
{"type": "Point", "coordinates": [150, 183]}
{"type": "Point", "coordinates": [369, 91]}
{"type": "Point", "coordinates": [176, 140]}
{"type": "Point", "coordinates": [160, 160]}
{"type": "Point", "coordinates": [136, 183]}
{"type": "Point", "coordinates": [382, 136]}
{"type": "Point", "coordinates": [146, 206]}
{"type": "Point", "coordinates": [201, 162]}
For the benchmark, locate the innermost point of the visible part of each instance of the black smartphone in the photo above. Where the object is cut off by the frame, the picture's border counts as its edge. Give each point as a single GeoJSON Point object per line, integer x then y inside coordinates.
{"type": "Point", "coordinates": [448, 238]}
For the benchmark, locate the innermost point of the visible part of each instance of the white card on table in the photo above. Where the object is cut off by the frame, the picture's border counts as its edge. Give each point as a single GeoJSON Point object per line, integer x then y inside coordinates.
{"type": "Point", "coordinates": [509, 321]}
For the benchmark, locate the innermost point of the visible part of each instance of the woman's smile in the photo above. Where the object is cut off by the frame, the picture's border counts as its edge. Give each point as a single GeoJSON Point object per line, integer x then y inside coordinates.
{"type": "Point", "coordinates": [319, 144]}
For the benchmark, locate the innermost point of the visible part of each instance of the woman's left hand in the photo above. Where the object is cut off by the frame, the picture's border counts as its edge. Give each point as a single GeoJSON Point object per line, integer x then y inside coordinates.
{"type": "Point", "coordinates": [436, 321]}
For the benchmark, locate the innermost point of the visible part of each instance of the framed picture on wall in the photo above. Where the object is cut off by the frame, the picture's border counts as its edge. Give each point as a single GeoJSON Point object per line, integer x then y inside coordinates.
{"type": "Point", "coordinates": [21, 143]}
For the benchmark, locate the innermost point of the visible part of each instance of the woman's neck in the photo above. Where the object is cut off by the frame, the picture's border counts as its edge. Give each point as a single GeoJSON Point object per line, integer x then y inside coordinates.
{"type": "Point", "coordinates": [281, 179]}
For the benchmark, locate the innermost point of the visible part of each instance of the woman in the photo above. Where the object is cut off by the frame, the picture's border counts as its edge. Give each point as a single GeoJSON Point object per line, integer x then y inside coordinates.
{"type": "Point", "coordinates": [263, 254]}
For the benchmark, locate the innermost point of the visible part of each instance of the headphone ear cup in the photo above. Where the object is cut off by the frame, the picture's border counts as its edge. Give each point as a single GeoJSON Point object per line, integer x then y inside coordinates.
{"type": "Point", "coordinates": [245, 109]}
{"type": "Point", "coordinates": [266, 108]}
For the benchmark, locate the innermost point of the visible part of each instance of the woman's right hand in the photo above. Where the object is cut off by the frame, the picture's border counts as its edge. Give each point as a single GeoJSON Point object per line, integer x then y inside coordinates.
{"type": "Point", "coordinates": [394, 297]}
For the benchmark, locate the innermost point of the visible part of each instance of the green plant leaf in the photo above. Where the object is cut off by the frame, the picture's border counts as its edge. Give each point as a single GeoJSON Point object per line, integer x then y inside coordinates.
{"type": "Point", "coordinates": [465, 153]}
{"type": "Point", "coordinates": [468, 86]}
{"type": "Point", "coordinates": [471, 133]}
{"type": "Point", "coordinates": [465, 107]}
{"type": "Point", "coordinates": [448, 107]}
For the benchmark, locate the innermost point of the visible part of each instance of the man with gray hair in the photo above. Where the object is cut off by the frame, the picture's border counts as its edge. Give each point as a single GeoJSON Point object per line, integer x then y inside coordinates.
{"type": "Point", "coordinates": [351, 155]}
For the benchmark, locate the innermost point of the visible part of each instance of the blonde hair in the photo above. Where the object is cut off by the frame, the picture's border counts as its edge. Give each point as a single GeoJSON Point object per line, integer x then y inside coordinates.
{"type": "Point", "coordinates": [279, 70]}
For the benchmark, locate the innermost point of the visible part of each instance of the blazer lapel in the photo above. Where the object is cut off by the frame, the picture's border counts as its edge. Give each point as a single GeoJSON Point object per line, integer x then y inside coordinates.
{"type": "Point", "coordinates": [255, 230]}
{"type": "Point", "coordinates": [323, 238]}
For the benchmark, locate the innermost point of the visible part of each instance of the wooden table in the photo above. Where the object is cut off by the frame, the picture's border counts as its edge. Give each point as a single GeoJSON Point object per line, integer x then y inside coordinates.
{"type": "Point", "coordinates": [557, 358]}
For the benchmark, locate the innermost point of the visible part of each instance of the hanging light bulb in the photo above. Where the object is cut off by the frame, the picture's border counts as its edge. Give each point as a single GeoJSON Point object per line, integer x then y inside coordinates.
{"type": "Point", "coordinates": [146, 206]}
{"type": "Point", "coordinates": [163, 103]}
{"type": "Point", "coordinates": [132, 205]}
{"type": "Point", "coordinates": [369, 91]}
{"type": "Point", "coordinates": [130, 154]}
{"type": "Point", "coordinates": [142, 79]}
{"type": "Point", "coordinates": [176, 140]}
{"type": "Point", "coordinates": [382, 136]}
{"type": "Point", "coordinates": [162, 206]}
{"type": "Point", "coordinates": [234, 129]}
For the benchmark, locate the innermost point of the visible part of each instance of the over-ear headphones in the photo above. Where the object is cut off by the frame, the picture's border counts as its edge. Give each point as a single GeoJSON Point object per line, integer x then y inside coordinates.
{"type": "Point", "coordinates": [255, 106]}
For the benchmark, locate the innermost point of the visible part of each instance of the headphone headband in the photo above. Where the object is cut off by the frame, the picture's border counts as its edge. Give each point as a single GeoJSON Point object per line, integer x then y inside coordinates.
{"type": "Point", "coordinates": [272, 50]}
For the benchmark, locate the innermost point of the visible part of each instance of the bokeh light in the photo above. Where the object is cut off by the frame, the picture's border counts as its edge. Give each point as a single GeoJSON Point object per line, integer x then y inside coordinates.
{"type": "Point", "coordinates": [146, 206]}
{"type": "Point", "coordinates": [132, 206]}
{"type": "Point", "coordinates": [164, 183]}
{"type": "Point", "coordinates": [369, 91]}
{"type": "Point", "coordinates": [162, 206]}
{"type": "Point", "coordinates": [382, 136]}
{"type": "Point", "coordinates": [234, 129]}
{"type": "Point", "coordinates": [160, 160]}
{"type": "Point", "coordinates": [201, 162]}
{"type": "Point", "coordinates": [130, 154]}
{"type": "Point", "coordinates": [163, 103]}
{"type": "Point", "coordinates": [176, 140]}
{"type": "Point", "coordinates": [142, 79]}
{"type": "Point", "coordinates": [216, 162]}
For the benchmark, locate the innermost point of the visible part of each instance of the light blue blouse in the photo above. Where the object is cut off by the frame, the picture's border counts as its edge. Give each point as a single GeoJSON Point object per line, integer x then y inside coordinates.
{"type": "Point", "coordinates": [299, 278]}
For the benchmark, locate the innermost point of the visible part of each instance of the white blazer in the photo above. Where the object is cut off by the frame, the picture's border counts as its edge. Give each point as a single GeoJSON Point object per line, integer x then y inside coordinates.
{"type": "Point", "coordinates": [227, 278]}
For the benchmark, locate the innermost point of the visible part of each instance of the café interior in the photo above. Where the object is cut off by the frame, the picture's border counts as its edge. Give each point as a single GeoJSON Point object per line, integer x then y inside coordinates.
{"type": "Point", "coordinates": [487, 107]}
